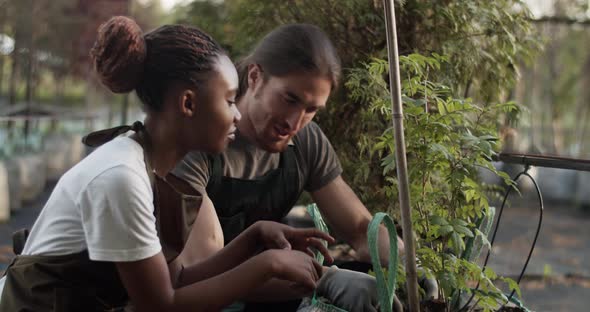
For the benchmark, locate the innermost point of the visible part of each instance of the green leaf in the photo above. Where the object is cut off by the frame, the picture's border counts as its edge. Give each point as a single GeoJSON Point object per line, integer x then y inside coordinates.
{"type": "Point", "coordinates": [448, 282]}
{"type": "Point", "coordinates": [445, 230]}
{"type": "Point", "coordinates": [513, 285]}
{"type": "Point", "coordinates": [455, 222]}
{"type": "Point", "coordinates": [458, 243]}
{"type": "Point", "coordinates": [489, 273]}
{"type": "Point", "coordinates": [463, 230]}
{"type": "Point", "coordinates": [469, 195]}
{"type": "Point", "coordinates": [441, 107]}
{"type": "Point", "coordinates": [438, 220]}
{"type": "Point", "coordinates": [484, 239]}
{"type": "Point", "coordinates": [388, 163]}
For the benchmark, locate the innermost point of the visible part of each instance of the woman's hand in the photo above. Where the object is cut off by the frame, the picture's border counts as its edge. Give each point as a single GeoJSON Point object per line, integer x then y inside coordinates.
{"type": "Point", "coordinates": [275, 235]}
{"type": "Point", "coordinates": [295, 266]}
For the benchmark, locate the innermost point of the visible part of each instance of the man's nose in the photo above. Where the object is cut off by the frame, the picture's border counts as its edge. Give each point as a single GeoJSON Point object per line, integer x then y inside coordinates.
{"type": "Point", "coordinates": [294, 120]}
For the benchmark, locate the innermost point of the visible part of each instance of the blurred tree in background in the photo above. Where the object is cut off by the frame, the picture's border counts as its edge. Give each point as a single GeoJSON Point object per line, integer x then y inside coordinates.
{"type": "Point", "coordinates": [41, 31]}
{"type": "Point", "coordinates": [556, 87]}
{"type": "Point", "coordinates": [52, 40]}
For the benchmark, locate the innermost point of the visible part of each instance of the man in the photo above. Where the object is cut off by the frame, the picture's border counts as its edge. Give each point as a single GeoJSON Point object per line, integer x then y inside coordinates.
{"type": "Point", "coordinates": [278, 151]}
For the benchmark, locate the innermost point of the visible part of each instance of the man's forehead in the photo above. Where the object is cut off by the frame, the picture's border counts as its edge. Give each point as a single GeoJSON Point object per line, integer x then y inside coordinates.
{"type": "Point", "coordinates": [309, 89]}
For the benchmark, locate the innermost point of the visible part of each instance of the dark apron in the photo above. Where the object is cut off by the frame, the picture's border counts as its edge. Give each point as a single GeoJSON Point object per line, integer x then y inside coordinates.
{"type": "Point", "coordinates": [76, 283]}
{"type": "Point", "coordinates": [240, 203]}
{"type": "Point", "coordinates": [62, 283]}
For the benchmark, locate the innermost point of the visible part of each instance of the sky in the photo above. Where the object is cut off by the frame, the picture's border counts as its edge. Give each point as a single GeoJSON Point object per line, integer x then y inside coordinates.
{"type": "Point", "coordinates": [169, 4]}
{"type": "Point", "coordinates": [540, 7]}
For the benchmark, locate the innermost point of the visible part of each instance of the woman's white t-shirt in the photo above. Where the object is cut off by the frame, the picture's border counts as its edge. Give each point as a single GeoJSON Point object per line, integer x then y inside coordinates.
{"type": "Point", "coordinates": [104, 205]}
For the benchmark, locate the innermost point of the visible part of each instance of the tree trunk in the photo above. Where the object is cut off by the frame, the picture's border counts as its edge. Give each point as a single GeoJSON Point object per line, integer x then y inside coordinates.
{"type": "Point", "coordinates": [551, 115]}
{"type": "Point", "coordinates": [29, 75]}
{"type": "Point", "coordinates": [14, 71]}
{"type": "Point", "coordinates": [583, 110]}
{"type": "Point", "coordinates": [90, 96]}
{"type": "Point", "coordinates": [59, 87]}
{"type": "Point", "coordinates": [584, 152]}
{"type": "Point", "coordinates": [30, 78]}
{"type": "Point", "coordinates": [2, 57]}
{"type": "Point", "coordinates": [1, 72]}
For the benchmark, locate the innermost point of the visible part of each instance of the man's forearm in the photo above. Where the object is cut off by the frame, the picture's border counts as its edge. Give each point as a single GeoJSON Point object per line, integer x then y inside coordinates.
{"type": "Point", "coordinates": [361, 246]}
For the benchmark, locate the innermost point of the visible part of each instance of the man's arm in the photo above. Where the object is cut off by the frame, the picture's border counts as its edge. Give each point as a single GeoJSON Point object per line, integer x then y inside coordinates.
{"type": "Point", "coordinates": [349, 219]}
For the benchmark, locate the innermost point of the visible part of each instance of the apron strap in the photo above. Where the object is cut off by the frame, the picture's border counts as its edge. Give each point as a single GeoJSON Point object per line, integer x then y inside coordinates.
{"type": "Point", "coordinates": [19, 238]}
{"type": "Point", "coordinates": [98, 138]}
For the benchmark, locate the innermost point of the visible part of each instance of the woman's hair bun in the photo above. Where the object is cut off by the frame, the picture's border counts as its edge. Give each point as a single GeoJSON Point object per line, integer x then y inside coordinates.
{"type": "Point", "coordinates": [119, 54]}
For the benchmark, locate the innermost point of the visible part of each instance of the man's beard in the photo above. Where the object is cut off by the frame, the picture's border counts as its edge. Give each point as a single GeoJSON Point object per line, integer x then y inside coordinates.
{"type": "Point", "coordinates": [275, 147]}
{"type": "Point", "coordinates": [271, 146]}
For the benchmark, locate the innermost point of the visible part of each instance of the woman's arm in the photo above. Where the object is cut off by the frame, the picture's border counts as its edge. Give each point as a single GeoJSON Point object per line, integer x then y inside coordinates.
{"type": "Point", "coordinates": [239, 250]}
{"type": "Point", "coordinates": [150, 289]}
{"type": "Point", "coordinates": [261, 235]}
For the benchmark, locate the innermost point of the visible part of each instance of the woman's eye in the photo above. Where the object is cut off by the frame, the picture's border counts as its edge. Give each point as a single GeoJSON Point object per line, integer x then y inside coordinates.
{"type": "Point", "coordinates": [230, 102]}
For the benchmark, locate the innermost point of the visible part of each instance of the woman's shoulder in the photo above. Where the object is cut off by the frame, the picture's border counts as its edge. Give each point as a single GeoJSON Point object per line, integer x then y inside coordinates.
{"type": "Point", "coordinates": [121, 158]}
{"type": "Point", "coordinates": [121, 151]}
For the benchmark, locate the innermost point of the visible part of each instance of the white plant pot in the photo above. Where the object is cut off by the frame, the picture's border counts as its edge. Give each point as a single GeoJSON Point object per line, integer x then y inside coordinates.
{"type": "Point", "coordinates": [61, 153]}
{"type": "Point", "coordinates": [13, 174]}
{"type": "Point", "coordinates": [4, 194]}
{"type": "Point", "coordinates": [31, 176]}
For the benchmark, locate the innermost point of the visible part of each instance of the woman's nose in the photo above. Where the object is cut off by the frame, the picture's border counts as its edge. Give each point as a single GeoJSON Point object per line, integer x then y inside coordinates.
{"type": "Point", "coordinates": [237, 115]}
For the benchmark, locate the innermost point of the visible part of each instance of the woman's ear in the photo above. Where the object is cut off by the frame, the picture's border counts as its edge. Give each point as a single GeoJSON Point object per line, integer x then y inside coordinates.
{"type": "Point", "coordinates": [188, 103]}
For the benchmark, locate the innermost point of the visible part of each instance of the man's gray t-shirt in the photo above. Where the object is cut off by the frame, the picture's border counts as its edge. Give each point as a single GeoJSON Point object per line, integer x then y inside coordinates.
{"type": "Point", "coordinates": [317, 163]}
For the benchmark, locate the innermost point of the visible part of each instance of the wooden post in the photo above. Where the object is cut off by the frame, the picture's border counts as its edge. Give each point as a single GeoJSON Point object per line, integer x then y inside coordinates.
{"type": "Point", "coordinates": [400, 157]}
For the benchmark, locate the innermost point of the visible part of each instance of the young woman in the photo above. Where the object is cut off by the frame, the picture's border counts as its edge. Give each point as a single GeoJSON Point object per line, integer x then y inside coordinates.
{"type": "Point", "coordinates": [97, 241]}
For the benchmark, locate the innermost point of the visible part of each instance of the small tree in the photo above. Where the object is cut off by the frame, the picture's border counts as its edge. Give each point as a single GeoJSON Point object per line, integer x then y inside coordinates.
{"type": "Point", "coordinates": [447, 140]}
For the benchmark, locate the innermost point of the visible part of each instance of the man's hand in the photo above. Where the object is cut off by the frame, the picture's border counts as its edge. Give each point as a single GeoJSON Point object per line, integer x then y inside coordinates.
{"type": "Point", "coordinates": [349, 290]}
{"type": "Point", "coordinates": [348, 218]}
{"type": "Point", "coordinates": [275, 235]}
